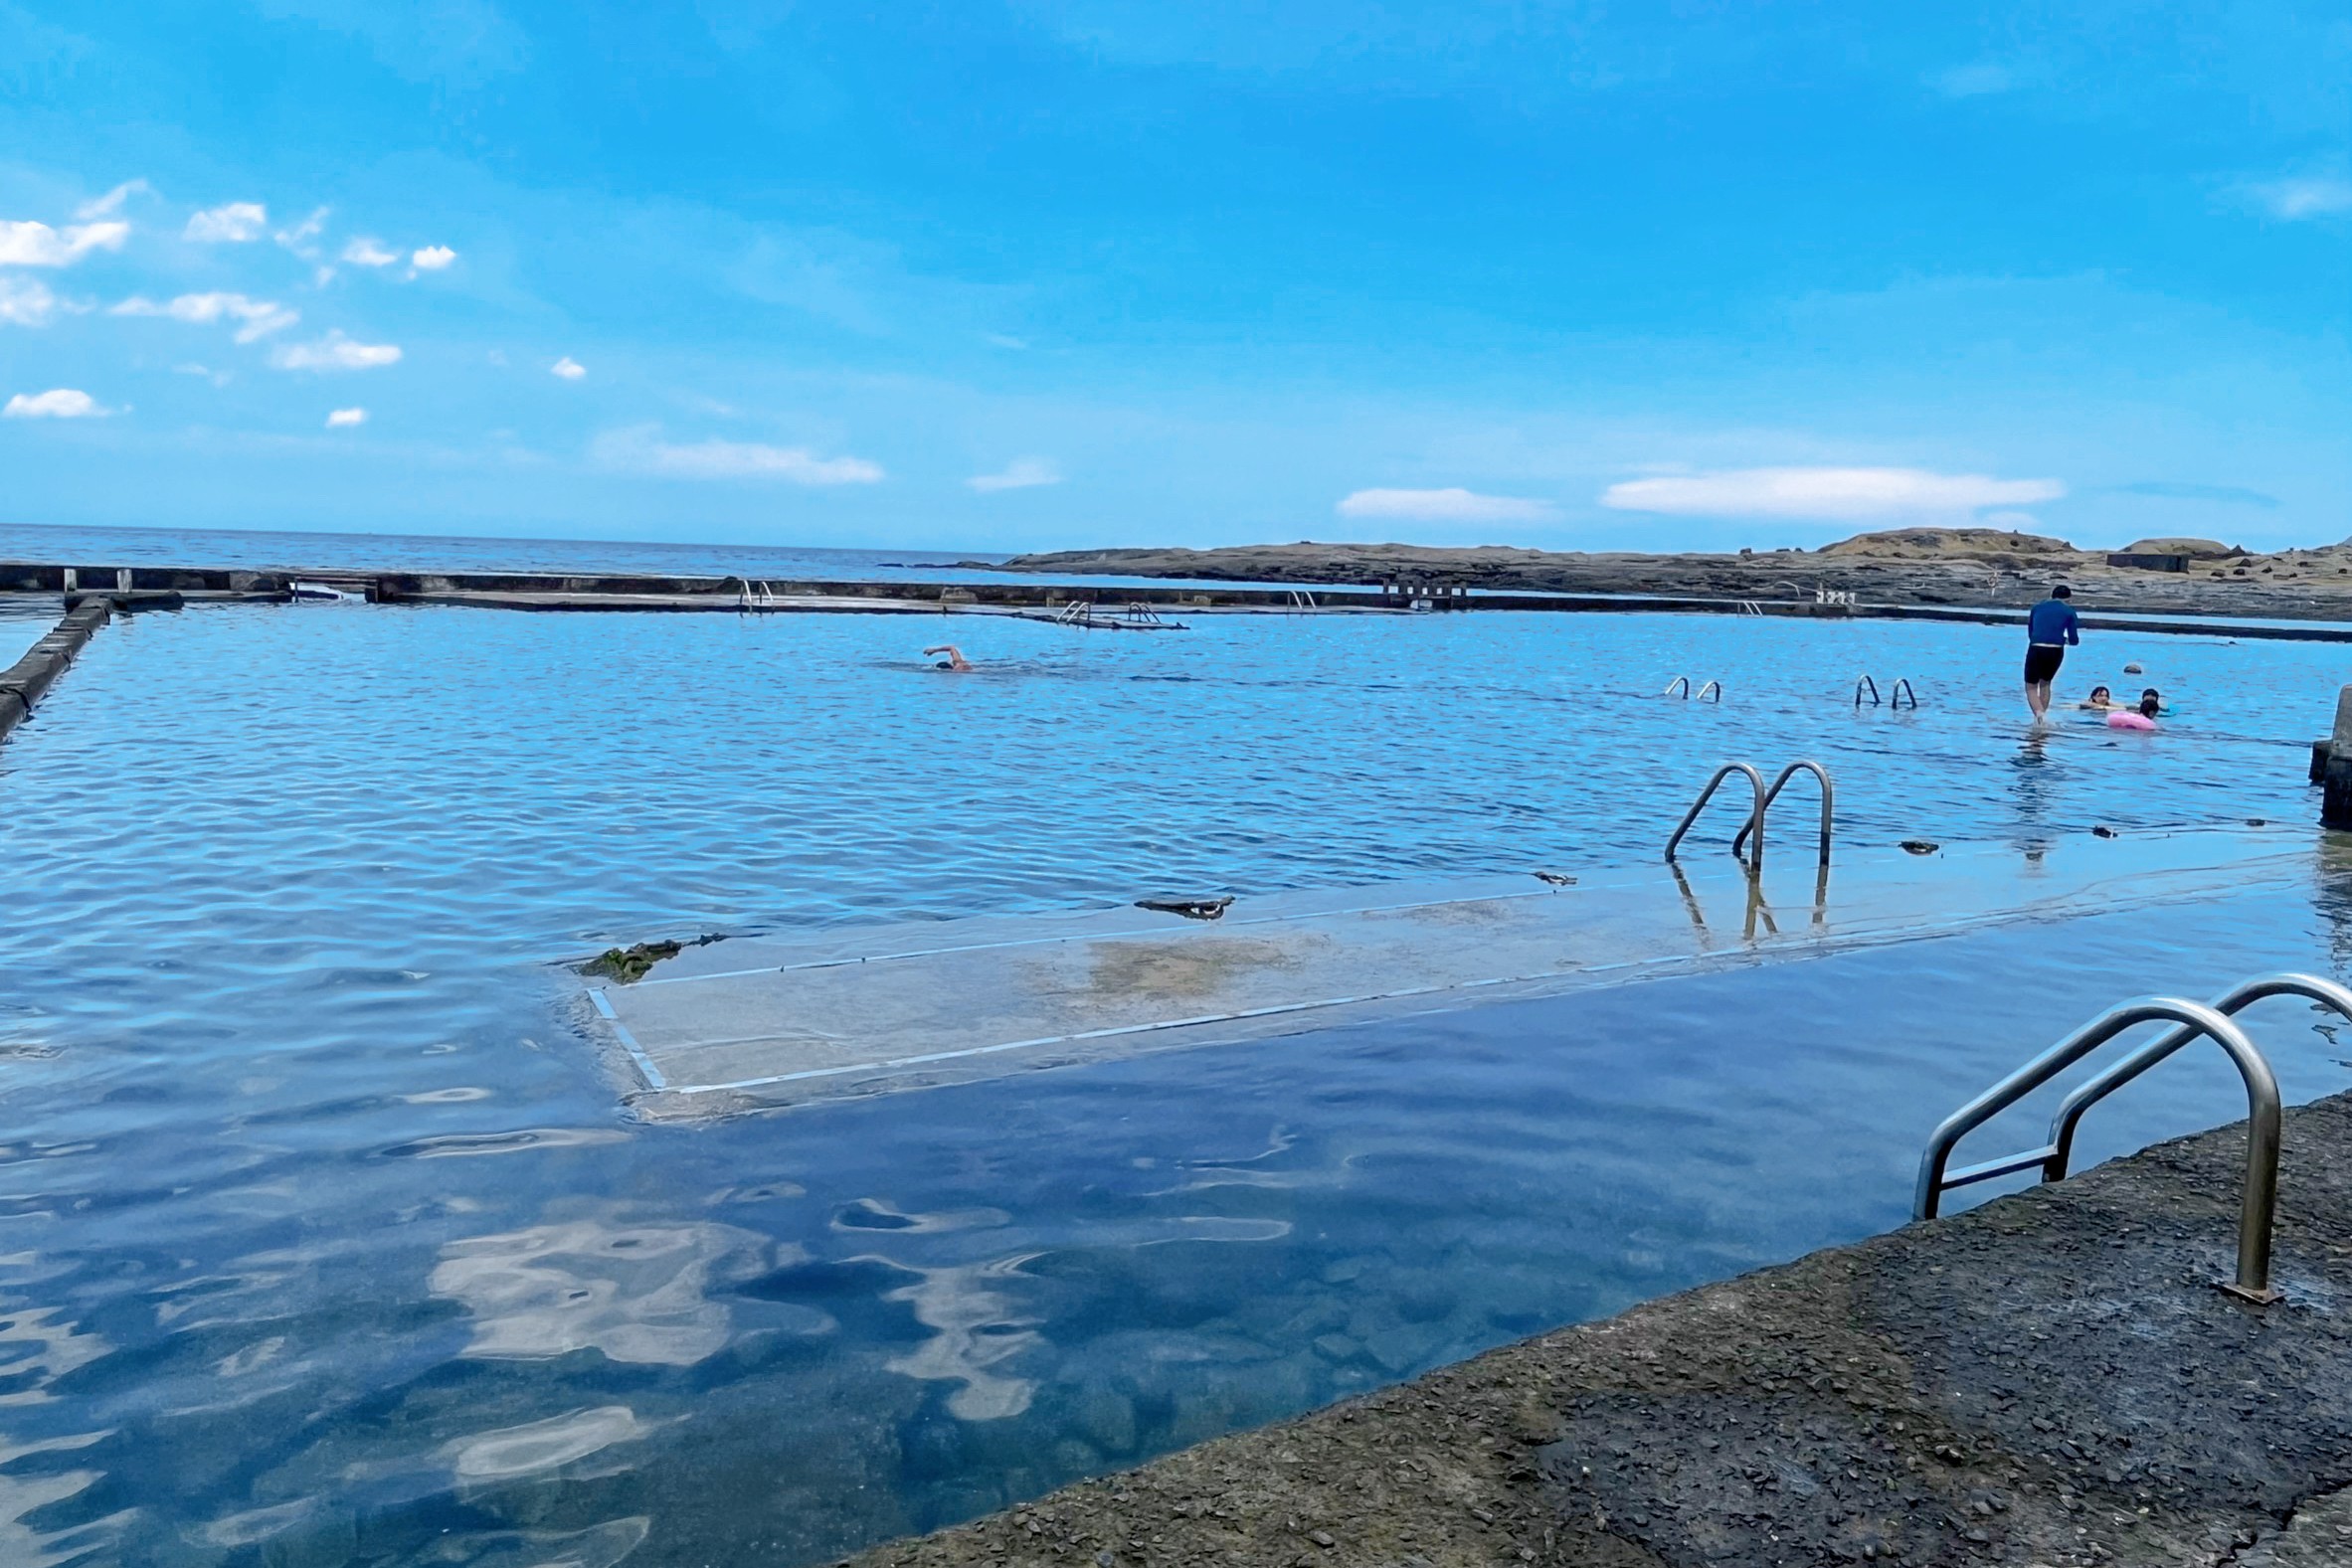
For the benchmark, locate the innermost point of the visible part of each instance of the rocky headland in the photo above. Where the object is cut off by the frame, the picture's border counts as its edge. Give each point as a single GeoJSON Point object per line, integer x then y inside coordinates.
{"type": "Point", "coordinates": [1925, 566]}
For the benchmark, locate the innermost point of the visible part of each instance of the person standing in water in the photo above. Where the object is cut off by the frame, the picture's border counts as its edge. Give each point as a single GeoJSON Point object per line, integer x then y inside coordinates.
{"type": "Point", "coordinates": [2050, 628]}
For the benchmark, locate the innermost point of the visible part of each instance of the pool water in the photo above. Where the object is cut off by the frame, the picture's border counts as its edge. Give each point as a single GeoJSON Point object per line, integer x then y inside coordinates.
{"type": "Point", "coordinates": [325, 1239]}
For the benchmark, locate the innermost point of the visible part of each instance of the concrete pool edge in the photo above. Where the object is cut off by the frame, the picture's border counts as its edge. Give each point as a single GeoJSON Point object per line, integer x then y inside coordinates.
{"type": "Point", "coordinates": [2052, 1378]}
{"type": "Point", "coordinates": [762, 1022]}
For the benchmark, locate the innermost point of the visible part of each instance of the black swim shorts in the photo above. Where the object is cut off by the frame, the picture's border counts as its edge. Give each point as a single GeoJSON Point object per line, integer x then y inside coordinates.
{"type": "Point", "coordinates": [2042, 662]}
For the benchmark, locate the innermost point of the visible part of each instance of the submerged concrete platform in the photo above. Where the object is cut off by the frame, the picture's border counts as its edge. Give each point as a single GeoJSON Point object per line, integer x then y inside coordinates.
{"type": "Point", "coordinates": [2051, 1379]}
{"type": "Point", "coordinates": [873, 1010]}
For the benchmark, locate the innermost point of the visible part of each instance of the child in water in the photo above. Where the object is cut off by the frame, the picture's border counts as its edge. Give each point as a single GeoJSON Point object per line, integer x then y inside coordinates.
{"type": "Point", "coordinates": [2100, 699]}
{"type": "Point", "coordinates": [2143, 717]}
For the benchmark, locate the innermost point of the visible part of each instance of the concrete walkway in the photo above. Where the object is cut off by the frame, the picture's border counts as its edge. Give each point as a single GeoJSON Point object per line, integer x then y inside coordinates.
{"type": "Point", "coordinates": [885, 1008]}
{"type": "Point", "coordinates": [2051, 1379]}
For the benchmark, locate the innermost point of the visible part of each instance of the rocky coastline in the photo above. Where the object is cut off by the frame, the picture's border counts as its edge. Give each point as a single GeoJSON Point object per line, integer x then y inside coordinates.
{"type": "Point", "coordinates": [1922, 565]}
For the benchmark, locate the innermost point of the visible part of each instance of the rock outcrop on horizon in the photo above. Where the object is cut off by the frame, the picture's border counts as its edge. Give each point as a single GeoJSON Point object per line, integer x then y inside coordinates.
{"type": "Point", "coordinates": [1918, 564]}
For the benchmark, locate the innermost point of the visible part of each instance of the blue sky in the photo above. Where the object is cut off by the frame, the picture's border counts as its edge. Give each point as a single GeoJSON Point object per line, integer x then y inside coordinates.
{"type": "Point", "coordinates": [1027, 273]}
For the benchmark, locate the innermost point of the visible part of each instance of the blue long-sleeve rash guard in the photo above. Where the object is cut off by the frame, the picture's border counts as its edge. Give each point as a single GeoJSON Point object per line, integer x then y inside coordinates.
{"type": "Point", "coordinates": [2053, 620]}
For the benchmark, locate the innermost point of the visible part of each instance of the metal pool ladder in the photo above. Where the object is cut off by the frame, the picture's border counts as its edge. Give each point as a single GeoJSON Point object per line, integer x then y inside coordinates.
{"type": "Point", "coordinates": [2257, 1205]}
{"type": "Point", "coordinates": [1763, 797]}
{"type": "Point", "coordinates": [1684, 682]}
{"type": "Point", "coordinates": [1900, 691]}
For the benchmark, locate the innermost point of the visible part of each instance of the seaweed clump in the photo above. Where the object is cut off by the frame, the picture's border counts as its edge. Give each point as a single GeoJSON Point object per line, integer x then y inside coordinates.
{"type": "Point", "coordinates": [633, 964]}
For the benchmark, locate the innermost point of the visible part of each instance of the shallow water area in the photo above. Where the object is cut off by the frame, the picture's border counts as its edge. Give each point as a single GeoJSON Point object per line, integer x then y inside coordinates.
{"type": "Point", "coordinates": [327, 1240]}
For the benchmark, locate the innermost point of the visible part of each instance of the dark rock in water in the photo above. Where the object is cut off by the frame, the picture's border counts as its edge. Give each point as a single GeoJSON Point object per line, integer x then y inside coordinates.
{"type": "Point", "coordinates": [1558, 879]}
{"type": "Point", "coordinates": [1190, 908]}
{"type": "Point", "coordinates": [2102, 831]}
{"type": "Point", "coordinates": [1921, 846]}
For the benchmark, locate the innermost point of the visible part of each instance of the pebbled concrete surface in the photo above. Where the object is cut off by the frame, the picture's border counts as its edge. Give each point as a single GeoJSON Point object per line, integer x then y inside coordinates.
{"type": "Point", "coordinates": [2051, 1379]}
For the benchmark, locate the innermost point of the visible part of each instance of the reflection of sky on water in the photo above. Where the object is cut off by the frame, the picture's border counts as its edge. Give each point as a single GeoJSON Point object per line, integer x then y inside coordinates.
{"type": "Point", "coordinates": [631, 1292]}
{"type": "Point", "coordinates": [322, 1237]}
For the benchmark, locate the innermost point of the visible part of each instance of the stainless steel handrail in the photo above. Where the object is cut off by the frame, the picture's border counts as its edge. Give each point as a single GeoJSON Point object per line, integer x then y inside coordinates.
{"type": "Point", "coordinates": [1756, 815]}
{"type": "Point", "coordinates": [2229, 1005]}
{"type": "Point", "coordinates": [1683, 681]}
{"type": "Point", "coordinates": [2257, 1205]}
{"type": "Point", "coordinates": [1900, 691]}
{"type": "Point", "coordinates": [1828, 798]}
{"type": "Point", "coordinates": [1714, 686]}
{"type": "Point", "coordinates": [1872, 684]}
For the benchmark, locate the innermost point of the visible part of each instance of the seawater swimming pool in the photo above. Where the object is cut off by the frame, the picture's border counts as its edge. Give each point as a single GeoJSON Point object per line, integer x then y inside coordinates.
{"type": "Point", "coordinates": [326, 1241]}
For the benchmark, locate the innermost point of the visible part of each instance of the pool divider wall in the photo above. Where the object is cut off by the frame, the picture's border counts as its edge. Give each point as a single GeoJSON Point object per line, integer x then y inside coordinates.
{"type": "Point", "coordinates": [627, 591]}
{"type": "Point", "coordinates": [24, 683]}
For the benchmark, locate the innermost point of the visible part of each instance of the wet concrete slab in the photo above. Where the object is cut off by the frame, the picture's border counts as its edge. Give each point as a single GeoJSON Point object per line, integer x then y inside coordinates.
{"type": "Point", "coordinates": [885, 1008]}
{"type": "Point", "coordinates": [2054, 1378]}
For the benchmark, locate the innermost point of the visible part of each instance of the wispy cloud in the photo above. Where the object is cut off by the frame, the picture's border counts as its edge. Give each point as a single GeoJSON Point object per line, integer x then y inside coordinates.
{"type": "Point", "coordinates": [1007, 340]}
{"type": "Point", "coordinates": [27, 302]}
{"type": "Point", "coordinates": [368, 252]}
{"type": "Point", "coordinates": [1451, 506]}
{"type": "Point", "coordinates": [297, 238]}
{"type": "Point", "coordinates": [107, 204]}
{"type": "Point", "coordinates": [230, 222]}
{"type": "Point", "coordinates": [568, 368]}
{"type": "Point", "coordinates": [431, 258]}
{"type": "Point", "coordinates": [38, 245]}
{"type": "Point", "coordinates": [1825, 494]}
{"type": "Point", "coordinates": [345, 418]}
{"type": "Point", "coordinates": [641, 451]}
{"type": "Point", "coordinates": [2303, 196]}
{"type": "Point", "coordinates": [335, 351]}
{"type": "Point", "coordinates": [260, 318]}
{"type": "Point", "coordinates": [1021, 474]}
{"type": "Point", "coordinates": [58, 403]}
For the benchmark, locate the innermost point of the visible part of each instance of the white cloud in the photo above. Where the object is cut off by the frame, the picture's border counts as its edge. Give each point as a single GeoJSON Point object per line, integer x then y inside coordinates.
{"type": "Point", "coordinates": [230, 222]}
{"type": "Point", "coordinates": [261, 316]}
{"type": "Point", "coordinates": [367, 252]}
{"type": "Point", "coordinates": [335, 352]}
{"type": "Point", "coordinates": [298, 238]}
{"type": "Point", "coordinates": [61, 403]}
{"type": "Point", "coordinates": [344, 419]}
{"type": "Point", "coordinates": [1451, 506]}
{"type": "Point", "coordinates": [568, 368]}
{"type": "Point", "coordinates": [112, 202]}
{"type": "Point", "coordinates": [431, 258]}
{"type": "Point", "coordinates": [1825, 494]}
{"type": "Point", "coordinates": [1007, 340]}
{"type": "Point", "coordinates": [641, 451]}
{"type": "Point", "coordinates": [38, 245]}
{"type": "Point", "coordinates": [1019, 474]}
{"type": "Point", "coordinates": [26, 301]}
{"type": "Point", "coordinates": [2308, 196]}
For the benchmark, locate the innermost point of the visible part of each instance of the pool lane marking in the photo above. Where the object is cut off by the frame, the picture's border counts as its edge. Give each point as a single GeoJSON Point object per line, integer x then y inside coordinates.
{"type": "Point", "coordinates": [1108, 935]}
{"type": "Point", "coordinates": [1825, 944]}
{"type": "Point", "coordinates": [653, 1078]}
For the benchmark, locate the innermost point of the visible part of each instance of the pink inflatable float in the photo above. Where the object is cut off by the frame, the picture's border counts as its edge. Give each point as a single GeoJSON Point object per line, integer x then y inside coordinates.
{"type": "Point", "coordinates": [2127, 719]}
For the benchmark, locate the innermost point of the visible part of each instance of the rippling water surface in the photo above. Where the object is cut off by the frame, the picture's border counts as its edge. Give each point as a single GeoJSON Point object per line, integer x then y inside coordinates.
{"type": "Point", "coordinates": [322, 1238]}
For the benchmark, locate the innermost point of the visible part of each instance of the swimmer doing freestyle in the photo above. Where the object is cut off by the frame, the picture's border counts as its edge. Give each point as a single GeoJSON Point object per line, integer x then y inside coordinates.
{"type": "Point", "coordinates": [954, 663]}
